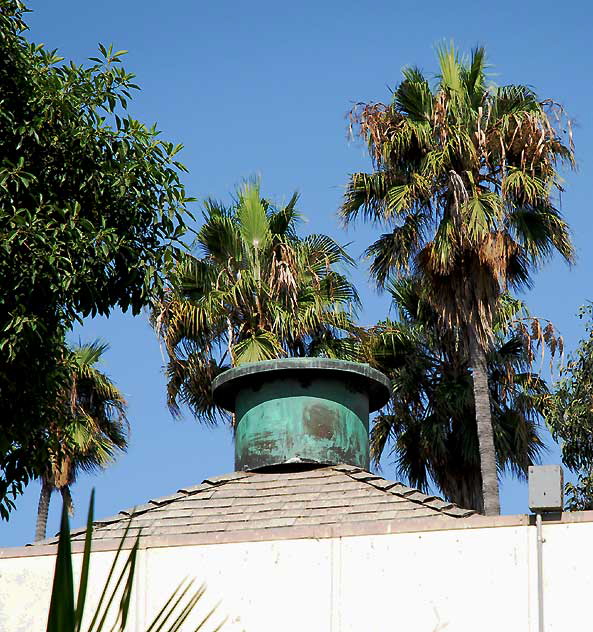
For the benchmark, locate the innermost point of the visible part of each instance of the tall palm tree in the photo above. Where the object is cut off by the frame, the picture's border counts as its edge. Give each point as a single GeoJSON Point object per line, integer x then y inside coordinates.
{"type": "Point", "coordinates": [95, 431]}
{"type": "Point", "coordinates": [465, 175]}
{"type": "Point", "coordinates": [254, 291]}
{"type": "Point", "coordinates": [430, 421]}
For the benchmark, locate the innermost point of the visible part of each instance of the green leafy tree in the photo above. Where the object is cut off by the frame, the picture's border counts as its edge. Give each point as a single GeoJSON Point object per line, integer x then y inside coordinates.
{"type": "Point", "coordinates": [429, 424]}
{"type": "Point", "coordinates": [93, 428]}
{"type": "Point", "coordinates": [257, 291]}
{"type": "Point", "coordinates": [90, 202]}
{"type": "Point", "coordinates": [570, 417]}
{"type": "Point", "coordinates": [465, 177]}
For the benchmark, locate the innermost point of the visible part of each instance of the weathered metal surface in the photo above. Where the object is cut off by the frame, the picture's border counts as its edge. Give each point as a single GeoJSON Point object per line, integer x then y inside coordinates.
{"type": "Point", "coordinates": [301, 411]}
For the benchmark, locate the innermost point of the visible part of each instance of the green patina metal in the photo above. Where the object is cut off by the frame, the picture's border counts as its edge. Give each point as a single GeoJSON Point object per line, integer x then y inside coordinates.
{"type": "Point", "coordinates": [301, 410]}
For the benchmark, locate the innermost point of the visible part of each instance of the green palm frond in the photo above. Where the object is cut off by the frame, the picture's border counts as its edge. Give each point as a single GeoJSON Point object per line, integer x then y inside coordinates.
{"type": "Point", "coordinates": [282, 222]}
{"type": "Point", "coordinates": [262, 345]}
{"type": "Point", "coordinates": [413, 96]}
{"type": "Point", "coordinates": [449, 69]}
{"type": "Point", "coordinates": [514, 100]}
{"type": "Point", "coordinates": [366, 196]}
{"type": "Point", "coordinates": [99, 427]}
{"type": "Point", "coordinates": [89, 354]}
{"type": "Point", "coordinates": [322, 252]}
{"type": "Point", "coordinates": [112, 610]}
{"type": "Point", "coordinates": [189, 383]}
{"type": "Point", "coordinates": [541, 231]}
{"type": "Point", "coordinates": [218, 239]}
{"type": "Point", "coordinates": [254, 224]}
{"type": "Point", "coordinates": [474, 77]}
{"type": "Point", "coordinates": [394, 250]}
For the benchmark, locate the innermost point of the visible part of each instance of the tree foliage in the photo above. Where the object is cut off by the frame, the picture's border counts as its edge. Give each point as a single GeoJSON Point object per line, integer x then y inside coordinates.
{"type": "Point", "coordinates": [570, 416]}
{"type": "Point", "coordinates": [429, 424]}
{"type": "Point", "coordinates": [255, 291]}
{"type": "Point", "coordinates": [467, 179]}
{"type": "Point", "coordinates": [90, 201]}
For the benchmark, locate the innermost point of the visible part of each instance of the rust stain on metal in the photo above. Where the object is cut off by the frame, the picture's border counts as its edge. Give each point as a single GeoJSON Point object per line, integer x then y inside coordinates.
{"type": "Point", "coordinates": [320, 421]}
{"type": "Point", "coordinates": [263, 446]}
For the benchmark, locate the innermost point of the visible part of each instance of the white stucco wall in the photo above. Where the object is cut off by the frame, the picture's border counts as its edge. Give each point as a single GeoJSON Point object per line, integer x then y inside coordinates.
{"type": "Point", "coordinates": [478, 579]}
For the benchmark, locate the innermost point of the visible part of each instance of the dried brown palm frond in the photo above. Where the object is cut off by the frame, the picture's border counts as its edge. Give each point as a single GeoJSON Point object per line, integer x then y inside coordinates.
{"type": "Point", "coordinates": [282, 279]}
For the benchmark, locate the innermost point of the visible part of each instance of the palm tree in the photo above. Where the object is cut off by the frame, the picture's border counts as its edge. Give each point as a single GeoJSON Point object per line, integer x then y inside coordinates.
{"type": "Point", "coordinates": [95, 431]}
{"type": "Point", "coordinates": [430, 421]}
{"type": "Point", "coordinates": [255, 291]}
{"type": "Point", "coordinates": [465, 176]}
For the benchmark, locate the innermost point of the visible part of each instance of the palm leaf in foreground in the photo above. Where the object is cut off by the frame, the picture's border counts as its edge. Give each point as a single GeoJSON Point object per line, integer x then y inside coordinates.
{"type": "Point", "coordinates": [66, 615]}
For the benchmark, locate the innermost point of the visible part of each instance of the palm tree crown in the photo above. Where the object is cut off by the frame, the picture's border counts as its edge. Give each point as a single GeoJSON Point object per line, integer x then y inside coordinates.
{"type": "Point", "coordinates": [465, 175]}
{"type": "Point", "coordinates": [255, 291]}
{"type": "Point", "coordinates": [465, 172]}
{"type": "Point", "coordinates": [96, 428]}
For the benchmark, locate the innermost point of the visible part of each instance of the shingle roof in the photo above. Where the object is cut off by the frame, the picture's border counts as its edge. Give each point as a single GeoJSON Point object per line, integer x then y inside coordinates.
{"type": "Point", "coordinates": [245, 501]}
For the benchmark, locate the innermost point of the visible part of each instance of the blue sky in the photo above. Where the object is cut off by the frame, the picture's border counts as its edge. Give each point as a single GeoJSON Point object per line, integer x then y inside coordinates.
{"type": "Point", "coordinates": [262, 88]}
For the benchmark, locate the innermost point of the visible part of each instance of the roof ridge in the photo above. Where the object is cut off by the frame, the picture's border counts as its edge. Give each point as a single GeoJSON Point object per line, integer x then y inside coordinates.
{"type": "Point", "coordinates": [203, 508]}
{"type": "Point", "coordinates": [409, 493]}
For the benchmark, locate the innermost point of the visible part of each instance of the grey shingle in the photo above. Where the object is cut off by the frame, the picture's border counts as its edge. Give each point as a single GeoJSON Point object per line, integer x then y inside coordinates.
{"type": "Point", "coordinates": [363, 476]}
{"type": "Point", "coordinates": [381, 483]}
{"type": "Point", "coordinates": [137, 509]}
{"type": "Point", "coordinates": [344, 467]}
{"type": "Point", "coordinates": [458, 512]}
{"type": "Point", "coordinates": [109, 519]}
{"type": "Point", "coordinates": [225, 478]}
{"type": "Point", "coordinates": [163, 500]}
{"type": "Point", "coordinates": [437, 503]}
{"type": "Point", "coordinates": [194, 489]}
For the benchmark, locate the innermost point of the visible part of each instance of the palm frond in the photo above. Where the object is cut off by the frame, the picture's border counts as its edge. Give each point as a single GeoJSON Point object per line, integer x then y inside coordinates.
{"type": "Point", "coordinates": [413, 96]}
{"type": "Point", "coordinates": [366, 196]}
{"type": "Point", "coordinates": [449, 69]}
{"type": "Point", "coordinates": [474, 77]}
{"type": "Point", "coordinates": [253, 222]}
{"type": "Point", "coordinates": [282, 222]}
{"type": "Point", "coordinates": [259, 346]}
{"type": "Point", "coordinates": [397, 250]}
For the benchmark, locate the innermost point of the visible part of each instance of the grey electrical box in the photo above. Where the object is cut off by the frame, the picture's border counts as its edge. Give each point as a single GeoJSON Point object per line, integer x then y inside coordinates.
{"type": "Point", "coordinates": [546, 488]}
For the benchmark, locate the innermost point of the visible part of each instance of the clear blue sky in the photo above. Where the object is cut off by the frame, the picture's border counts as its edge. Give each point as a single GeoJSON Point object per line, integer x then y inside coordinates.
{"type": "Point", "coordinates": [262, 88]}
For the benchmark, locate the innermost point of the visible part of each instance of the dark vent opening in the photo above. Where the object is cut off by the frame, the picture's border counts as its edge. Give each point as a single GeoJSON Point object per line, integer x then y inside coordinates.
{"type": "Point", "coordinates": [290, 467]}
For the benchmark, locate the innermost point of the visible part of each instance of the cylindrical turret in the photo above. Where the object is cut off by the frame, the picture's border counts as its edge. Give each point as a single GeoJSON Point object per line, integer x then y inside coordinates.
{"type": "Point", "coordinates": [301, 411]}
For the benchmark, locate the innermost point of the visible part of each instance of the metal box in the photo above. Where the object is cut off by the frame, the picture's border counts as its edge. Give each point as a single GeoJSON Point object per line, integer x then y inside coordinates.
{"type": "Point", "coordinates": [546, 488]}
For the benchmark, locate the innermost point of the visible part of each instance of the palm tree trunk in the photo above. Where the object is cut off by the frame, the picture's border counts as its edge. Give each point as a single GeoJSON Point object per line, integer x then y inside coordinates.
{"type": "Point", "coordinates": [67, 498]}
{"type": "Point", "coordinates": [42, 511]}
{"type": "Point", "coordinates": [484, 426]}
